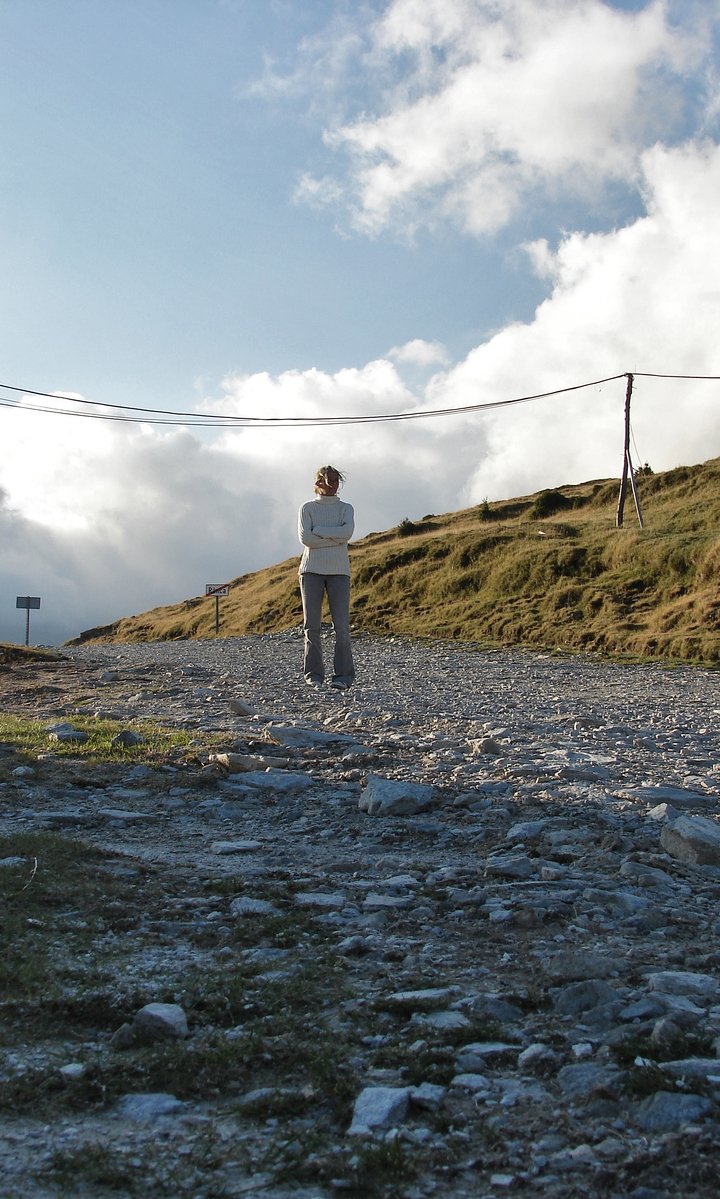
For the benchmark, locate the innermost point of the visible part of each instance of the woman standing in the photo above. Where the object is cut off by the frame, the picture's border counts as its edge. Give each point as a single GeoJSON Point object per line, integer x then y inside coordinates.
{"type": "Point", "coordinates": [325, 525]}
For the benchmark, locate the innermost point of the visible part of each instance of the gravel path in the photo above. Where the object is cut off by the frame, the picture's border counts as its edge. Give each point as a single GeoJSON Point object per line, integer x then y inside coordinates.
{"type": "Point", "coordinates": [421, 681]}
{"type": "Point", "coordinates": [531, 995]}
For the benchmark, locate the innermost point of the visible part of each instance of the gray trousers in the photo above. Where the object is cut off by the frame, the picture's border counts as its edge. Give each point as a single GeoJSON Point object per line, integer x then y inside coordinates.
{"type": "Point", "coordinates": [312, 589]}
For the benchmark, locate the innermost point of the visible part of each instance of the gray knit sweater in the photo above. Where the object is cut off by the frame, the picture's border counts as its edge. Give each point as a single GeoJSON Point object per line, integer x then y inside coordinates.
{"type": "Point", "coordinates": [325, 526]}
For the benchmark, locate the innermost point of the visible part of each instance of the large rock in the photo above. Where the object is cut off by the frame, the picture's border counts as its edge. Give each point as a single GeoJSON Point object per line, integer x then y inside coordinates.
{"type": "Point", "coordinates": [428, 999]}
{"type": "Point", "coordinates": [245, 905]}
{"type": "Point", "coordinates": [679, 797]}
{"type": "Point", "coordinates": [146, 1107]}
{"type": "Point", "coordinates": [161, 1021]}
{"type": "Point", "coordinates": [282, 782]}
{"type": "Point", "coordinates": [63, 731]}
{"type": "Point", "coordinates": [393, 797]}
{"type": "Point", "coordinates": [584, 996]}
{"type": "Point", "coordinates": [665, 1111]}
{"type": "Point", "coordinates": [685, 982]}
{"type": "Point", "coordinates": [693, 839]}
{"type": "Point", "coordinates": [587, 1080]}
{"type": "Point", "coordinates": [379, 1108]}
{"type": "Point", "coordinates": [694, 1069]}
{"type": "Point", "coordinates": [239, 763]}
{"type": "Point", "coordinates": [154, 1022]}
{"type": "Point", "coordinates": [297, 737]}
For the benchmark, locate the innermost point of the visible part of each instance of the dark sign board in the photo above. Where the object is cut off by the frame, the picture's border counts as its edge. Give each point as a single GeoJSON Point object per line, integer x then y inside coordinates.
{"type": "Point", "coordinates": [27, 601]}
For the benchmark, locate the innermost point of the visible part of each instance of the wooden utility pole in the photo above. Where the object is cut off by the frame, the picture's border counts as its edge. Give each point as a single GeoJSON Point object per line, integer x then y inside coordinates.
{"type": "Point", "coordinates": [627, 469]}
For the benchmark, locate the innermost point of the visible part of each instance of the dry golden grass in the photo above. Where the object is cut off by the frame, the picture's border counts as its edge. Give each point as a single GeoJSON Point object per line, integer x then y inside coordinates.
{"type": "Point", "coordinates": [25, 653]}
{"type": "Point", "coordinates": [549, 570]}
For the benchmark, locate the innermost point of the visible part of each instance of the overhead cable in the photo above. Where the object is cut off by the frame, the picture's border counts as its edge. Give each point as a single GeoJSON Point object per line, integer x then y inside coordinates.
{"type": "Point", "coordinates": [168, 416]}
{"type": "Point", "coordinates": [195, 419]}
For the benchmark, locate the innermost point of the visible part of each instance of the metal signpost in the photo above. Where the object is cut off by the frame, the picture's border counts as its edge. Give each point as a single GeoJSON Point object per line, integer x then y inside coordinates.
{"type": "Point", "coordinates": [27, 602]}
{"type": "Point", "coordinates": [217, 589]}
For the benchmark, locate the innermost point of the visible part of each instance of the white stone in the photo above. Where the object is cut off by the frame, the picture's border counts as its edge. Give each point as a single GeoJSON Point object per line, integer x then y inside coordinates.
{"type": "Point", "coordinates": [162, 1019]}
{"type": "Point", "coordinates": [225, 847]}
{"type": "Point", "coordinates": [479, 1053]}
{"type": "Point", "coordinates": [685, 982]}
{"type": "Point", "coordinates": [470, 1081]}
{"type": "Point", "coordinates": [327, 900]}
{"type": "Point", "coordinates": [375, 902]}
{"type": "Point", "coordinates": [280, 781]}
{"type": "Point", "coordinates": [145, 1107]}
{"type": "Point", "coordinates": [427, 1096]}
{"type": "Point", "coordinates": [693, 839]}
{"type": "Point", "coordinates": [426, 1000]}
{"type": "Point", "coordinates": [303, 738]}
{"type": "Point", "coordinates": [244, 905]}
{"type": "Point", "coordinates": [73, 1070]}
{"type": "Point", "coordinates": [379, 1108]}
{"type": "Point", "coordinates": [393, 797]}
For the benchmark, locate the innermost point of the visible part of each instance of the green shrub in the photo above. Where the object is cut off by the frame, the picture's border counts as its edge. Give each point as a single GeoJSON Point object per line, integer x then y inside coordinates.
{"type": "Point", "coordinates": [548, 503]}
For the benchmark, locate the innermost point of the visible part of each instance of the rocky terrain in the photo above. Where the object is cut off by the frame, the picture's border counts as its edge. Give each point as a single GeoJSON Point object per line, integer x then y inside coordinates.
{"type": "Point", "coordinates": [454, 932]}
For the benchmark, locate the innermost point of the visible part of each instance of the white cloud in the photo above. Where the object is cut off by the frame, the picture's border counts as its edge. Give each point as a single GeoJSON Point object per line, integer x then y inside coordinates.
{"type": "Point", "coordinates": [420, 353]}
{"type": "Point", "coordinates": [493, 106]}
{"type": "Point", "coordinates": [324, 65]}
{"type": "Point", "coordinates": [643, 299]}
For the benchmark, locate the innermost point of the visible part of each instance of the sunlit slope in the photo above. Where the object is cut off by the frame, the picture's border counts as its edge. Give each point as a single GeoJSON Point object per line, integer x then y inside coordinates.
{"type": "Point", "coordinates": [548, 570]}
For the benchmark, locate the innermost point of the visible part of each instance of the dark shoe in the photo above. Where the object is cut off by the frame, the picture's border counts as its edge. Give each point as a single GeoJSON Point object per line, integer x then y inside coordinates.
{"type": "Point", "coordinates": [340, 685]}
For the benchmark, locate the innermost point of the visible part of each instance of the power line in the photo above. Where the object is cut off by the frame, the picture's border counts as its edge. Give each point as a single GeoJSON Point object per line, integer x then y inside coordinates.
{"type": "Point", "coordinates": [167, 416]}
{"type": "Point", "coordinates": [194, 419]}
{"type": "Point", "coordinates": [650, 375]}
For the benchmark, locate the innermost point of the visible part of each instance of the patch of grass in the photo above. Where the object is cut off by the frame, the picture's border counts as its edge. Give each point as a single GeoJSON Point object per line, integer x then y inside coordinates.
{"type": "Point", "coordinates": [364, 1170]}
{"type": "Point", "coordinates": [51, 874]}
{"type": "Point", "coordinates": [381, 1168]}
{"type": "Point", "coordinates": [57, 906]}
{"type": "Point", "coordinates": [672, 1049]}
{"type": "Point", "coordinates": [248, 1030]}
{"type": "Point", "coordinates": [251, 1026]}
{"type": "Point", "coordinates": [433, 1062]}
{"type": "Point", "coordinates": [197, 1070]}
{"type": "Point", "coordinates": [32, 737]}
{"type": "Point", "coordinates": [643, 1081]}
{"type": "Point", "coordinates": [285, 1023]}
{"type": "Point", "coordinates": [98, 1169]}
{"type": "Point", "coordinates": [96, 1166]}
{"type": "Point", "coordinates": [27, 653]}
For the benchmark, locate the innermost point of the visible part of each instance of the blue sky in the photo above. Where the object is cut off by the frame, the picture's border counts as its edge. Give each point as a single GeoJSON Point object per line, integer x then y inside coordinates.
{"type": "Point", "coordinates": [289, 208]}
{"type": "Point", "coordinates": [150, 230]}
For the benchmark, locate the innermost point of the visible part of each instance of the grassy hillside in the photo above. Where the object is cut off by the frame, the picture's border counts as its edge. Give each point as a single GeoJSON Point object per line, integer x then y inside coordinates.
{"type": "Point", "coordinates": [547, 570]}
